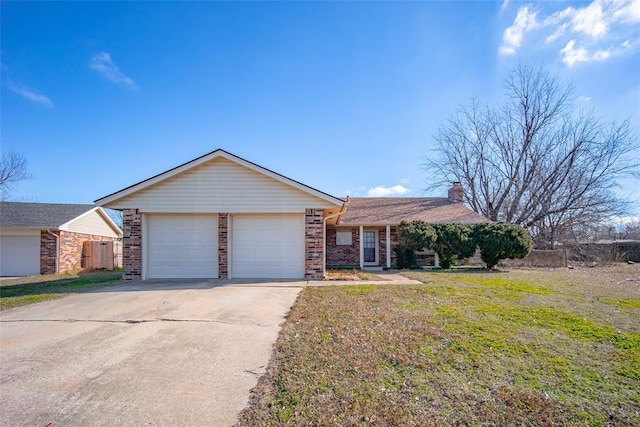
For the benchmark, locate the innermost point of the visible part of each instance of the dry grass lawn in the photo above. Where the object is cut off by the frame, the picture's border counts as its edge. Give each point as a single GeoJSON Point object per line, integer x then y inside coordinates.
{"type": "Point", "coordinates": [524, 347]}
{"type": "Point", "coordinates": [351, 275]}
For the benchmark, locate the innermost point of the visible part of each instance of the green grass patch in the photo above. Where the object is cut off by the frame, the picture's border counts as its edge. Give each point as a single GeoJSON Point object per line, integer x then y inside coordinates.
{"type": "Point", "coordinates": [56, 287]}
{"type": "Point", "coordinates": [360, 290]}
{"type": "Point", "coordinates": [623, 302]}
{"type": "Point", "coordinates": [519, 348]}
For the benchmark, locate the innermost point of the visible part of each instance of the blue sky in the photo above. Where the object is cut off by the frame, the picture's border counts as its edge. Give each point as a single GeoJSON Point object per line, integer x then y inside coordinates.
{"type": "Point", "coordinates": [344, 97]}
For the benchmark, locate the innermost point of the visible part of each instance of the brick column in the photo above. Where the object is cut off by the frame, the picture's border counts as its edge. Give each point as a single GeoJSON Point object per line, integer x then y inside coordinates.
{"type": "Point", "coordinates": [48, 253]}
{"type": "Point", "coordinates": [313, 244]}
{"type": "Point", "coordinates": [131, 244]}
{"type": "Point", "coordinates": [223, 257]}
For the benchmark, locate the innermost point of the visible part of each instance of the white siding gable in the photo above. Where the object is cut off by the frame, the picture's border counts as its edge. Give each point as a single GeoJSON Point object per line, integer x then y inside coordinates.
{"type": "Point", "coordinates": [220, 185]}
{"type": "Point", "coordinates": [90, 223]}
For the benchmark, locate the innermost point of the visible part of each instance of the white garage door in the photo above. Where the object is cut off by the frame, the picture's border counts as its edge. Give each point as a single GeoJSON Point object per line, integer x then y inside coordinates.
{"type": "Point", "coordinates": [20, 255]}
{"type": "Point", "coordinates": [183, 246]}
{"type": "Point", "coordinates": [268, 246]}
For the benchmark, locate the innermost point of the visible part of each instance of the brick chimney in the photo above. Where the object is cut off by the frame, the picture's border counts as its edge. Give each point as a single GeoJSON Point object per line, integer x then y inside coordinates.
{"type": "Point", "coordinates": [456, 193]}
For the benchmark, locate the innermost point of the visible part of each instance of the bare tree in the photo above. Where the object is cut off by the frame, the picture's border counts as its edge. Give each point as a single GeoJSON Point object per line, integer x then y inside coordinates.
{"type": "Point", "coordinates": [535, 161]}
{"type": "Point", "coordinates": [13, 169]}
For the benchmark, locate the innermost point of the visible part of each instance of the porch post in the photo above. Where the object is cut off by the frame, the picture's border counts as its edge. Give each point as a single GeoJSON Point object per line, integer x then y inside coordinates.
{"type": "Point", "coordinates": [361, 241]}
{"type": "Point", "coordinates": [436, 260]}
{"type": "Point", "coordinates": [388, 251]}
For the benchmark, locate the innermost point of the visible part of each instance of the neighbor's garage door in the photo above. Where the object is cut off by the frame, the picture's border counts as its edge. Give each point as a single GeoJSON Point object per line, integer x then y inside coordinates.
{"type": "Point", "coordinates": [268, 246]}
{"type": "Point", "coordinates": [20, 255]}
{"type": "Point", "coordinates": [183, 246]}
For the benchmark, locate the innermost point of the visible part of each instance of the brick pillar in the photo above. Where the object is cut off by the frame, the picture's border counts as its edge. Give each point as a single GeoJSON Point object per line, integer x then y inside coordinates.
{"type": "Point", "coordinates": [314, 246]}
{"type": "Point", "coordinates": [131, 244]}
{"type": "Point", "coordinates": [223, 257]}
{"type": "Point", "coordinates": [48, 253]}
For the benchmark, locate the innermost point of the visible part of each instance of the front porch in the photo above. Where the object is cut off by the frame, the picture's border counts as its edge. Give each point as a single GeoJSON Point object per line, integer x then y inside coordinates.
{"type": "Point", "coordinates": [366, 248]}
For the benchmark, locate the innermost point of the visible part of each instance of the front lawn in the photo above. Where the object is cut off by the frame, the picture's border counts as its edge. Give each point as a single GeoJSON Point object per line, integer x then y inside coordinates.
{"type": "Point", "coordinates": [29, 290]}
{"type": "Point", "coordinates": [510, 348]}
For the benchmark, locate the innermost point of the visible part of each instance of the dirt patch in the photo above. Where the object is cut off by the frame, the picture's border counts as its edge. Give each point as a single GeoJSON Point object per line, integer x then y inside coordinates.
{"type": "Point", "coordinates": [351, 275]}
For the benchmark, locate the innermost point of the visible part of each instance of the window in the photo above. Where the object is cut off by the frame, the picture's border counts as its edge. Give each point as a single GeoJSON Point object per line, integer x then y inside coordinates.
{"type": "Point", "coordinates": [343, 238]}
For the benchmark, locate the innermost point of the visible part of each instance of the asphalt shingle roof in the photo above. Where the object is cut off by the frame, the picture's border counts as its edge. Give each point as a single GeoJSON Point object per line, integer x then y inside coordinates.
{"type": "Point", "coordinates": [39, 215]}
{"type": "Point", "coordinates": [392, 210]}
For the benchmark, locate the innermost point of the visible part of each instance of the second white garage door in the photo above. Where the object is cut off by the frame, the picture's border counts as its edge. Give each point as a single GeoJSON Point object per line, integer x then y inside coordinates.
{"type": "Point", "coordinates": [268, 246]}
{"type": "Point", "coordinates": [183, 246]}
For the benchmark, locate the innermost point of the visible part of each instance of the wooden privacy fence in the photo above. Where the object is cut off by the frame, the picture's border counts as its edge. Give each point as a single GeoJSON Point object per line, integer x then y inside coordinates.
{"type": "Point", "coordinates": [97, 255]}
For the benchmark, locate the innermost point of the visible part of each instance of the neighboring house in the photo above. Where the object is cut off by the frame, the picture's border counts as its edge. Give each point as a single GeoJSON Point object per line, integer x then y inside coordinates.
{"type": "Point", "coordinates": [220, 216]}
{"type": "Point", "coordinates": [47, 238]}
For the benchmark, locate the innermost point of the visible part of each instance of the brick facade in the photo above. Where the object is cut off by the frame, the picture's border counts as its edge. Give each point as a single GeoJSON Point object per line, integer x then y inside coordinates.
{"type": "Point", "coordinates": [132, 244]}
{"type": "Point", "coordinates": [313, 244]}
{"type": "Point", "coordinates": [48, 252]}
{"type": "Point", "coordinates": [343, 255]}
{"type": "Point", "coordinates": [395, 238]}
{"type": "Point", "coordinates": [66, 249]}
{"type": "Point", "coordinates": [223, 254]}
{"type": "Point", "coordinates": [349, 255]}
{"type": "Point", "coordinates": [71, 256]}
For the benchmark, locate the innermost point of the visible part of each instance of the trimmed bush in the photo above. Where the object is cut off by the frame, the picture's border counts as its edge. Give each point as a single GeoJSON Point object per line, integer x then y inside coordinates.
{"type": "Point", "coordinates": [414, 236]}
{"type": "Point", "coordinates": [453, 241]}
{"type": "Point", "coordinates": [501, 241]}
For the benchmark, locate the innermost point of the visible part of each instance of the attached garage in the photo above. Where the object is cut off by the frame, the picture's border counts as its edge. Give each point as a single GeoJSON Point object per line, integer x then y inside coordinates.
{"type": "Point", "coordinates": [268, 246]}
{"type": "Point", "coordinates": [183, 246]}
{"type": "Point", "coordinates": [220, 216]}
{"type": "Point", "coordinates": [20, 254]}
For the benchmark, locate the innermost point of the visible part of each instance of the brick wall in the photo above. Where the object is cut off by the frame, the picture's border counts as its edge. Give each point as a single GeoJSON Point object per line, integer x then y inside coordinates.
{"type": "Point", "coordinates": [349, 255]}
{"type": "Point", "coordinates": [223, 255]}
{"type": "Point", "coordinates": [538, 258]}
{"type": "Point", "coordinates": [132, 244]}
{"type": "Point", "coordinates": [48, 252]}
{"type": "Point", "coordinates": [382, 246]}
{"type": "Point", "coordinates": [343, 255]}
{"type": "Point", "coordinates": [314, 247]}
{"type": "Point", "coordinates": [395, 238]}
{"type": "Point", "coordinates": [69, 250]}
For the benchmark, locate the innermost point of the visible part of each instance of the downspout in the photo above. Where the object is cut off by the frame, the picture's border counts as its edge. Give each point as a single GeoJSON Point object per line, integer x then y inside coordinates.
{"type": "Point", "coordinates": [324, 235]}
{"type": "Point", "coordinates": [57, 247]}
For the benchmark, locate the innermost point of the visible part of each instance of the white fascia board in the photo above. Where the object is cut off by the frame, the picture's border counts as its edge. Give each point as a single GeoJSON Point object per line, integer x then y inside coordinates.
{"type": "Point", "coordinates": [208, 157]}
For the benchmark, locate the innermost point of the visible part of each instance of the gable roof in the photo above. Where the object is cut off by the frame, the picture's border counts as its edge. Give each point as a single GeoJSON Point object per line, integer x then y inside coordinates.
{"type": "Point", "coordinates": [39, 215]}
{"type": "Point", "coordinates": [219, 153]}
{"type": "Point", "coordinates": [46, 215]}
{"type": "Point", "coordinates": [392, 210]}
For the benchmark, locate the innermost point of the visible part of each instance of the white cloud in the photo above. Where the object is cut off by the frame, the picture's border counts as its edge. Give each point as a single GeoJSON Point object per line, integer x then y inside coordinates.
{"type": "Point", "coordinates": [25, 92]}
{"type": "Point", "coordinates": [584, 34]}
{"type": "Point", "coordinates": [591, 20]}
{"type": "Point", "coordinates": [571, 55]}
{"type": "Point", "coordinates": [512, 38]}
{"type": "Point", "coordinates": [103, 64]}
{"type": "Point", "coordinates": [382, 191]}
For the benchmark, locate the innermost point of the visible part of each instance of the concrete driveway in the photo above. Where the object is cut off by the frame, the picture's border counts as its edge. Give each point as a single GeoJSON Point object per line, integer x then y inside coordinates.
{"type": "Point", "coordinates": [179, 353]}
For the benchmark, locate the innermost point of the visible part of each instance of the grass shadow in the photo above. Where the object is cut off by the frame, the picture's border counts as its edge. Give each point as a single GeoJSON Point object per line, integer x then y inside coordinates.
{"type": "Point", "coordinates": [34, 289]}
